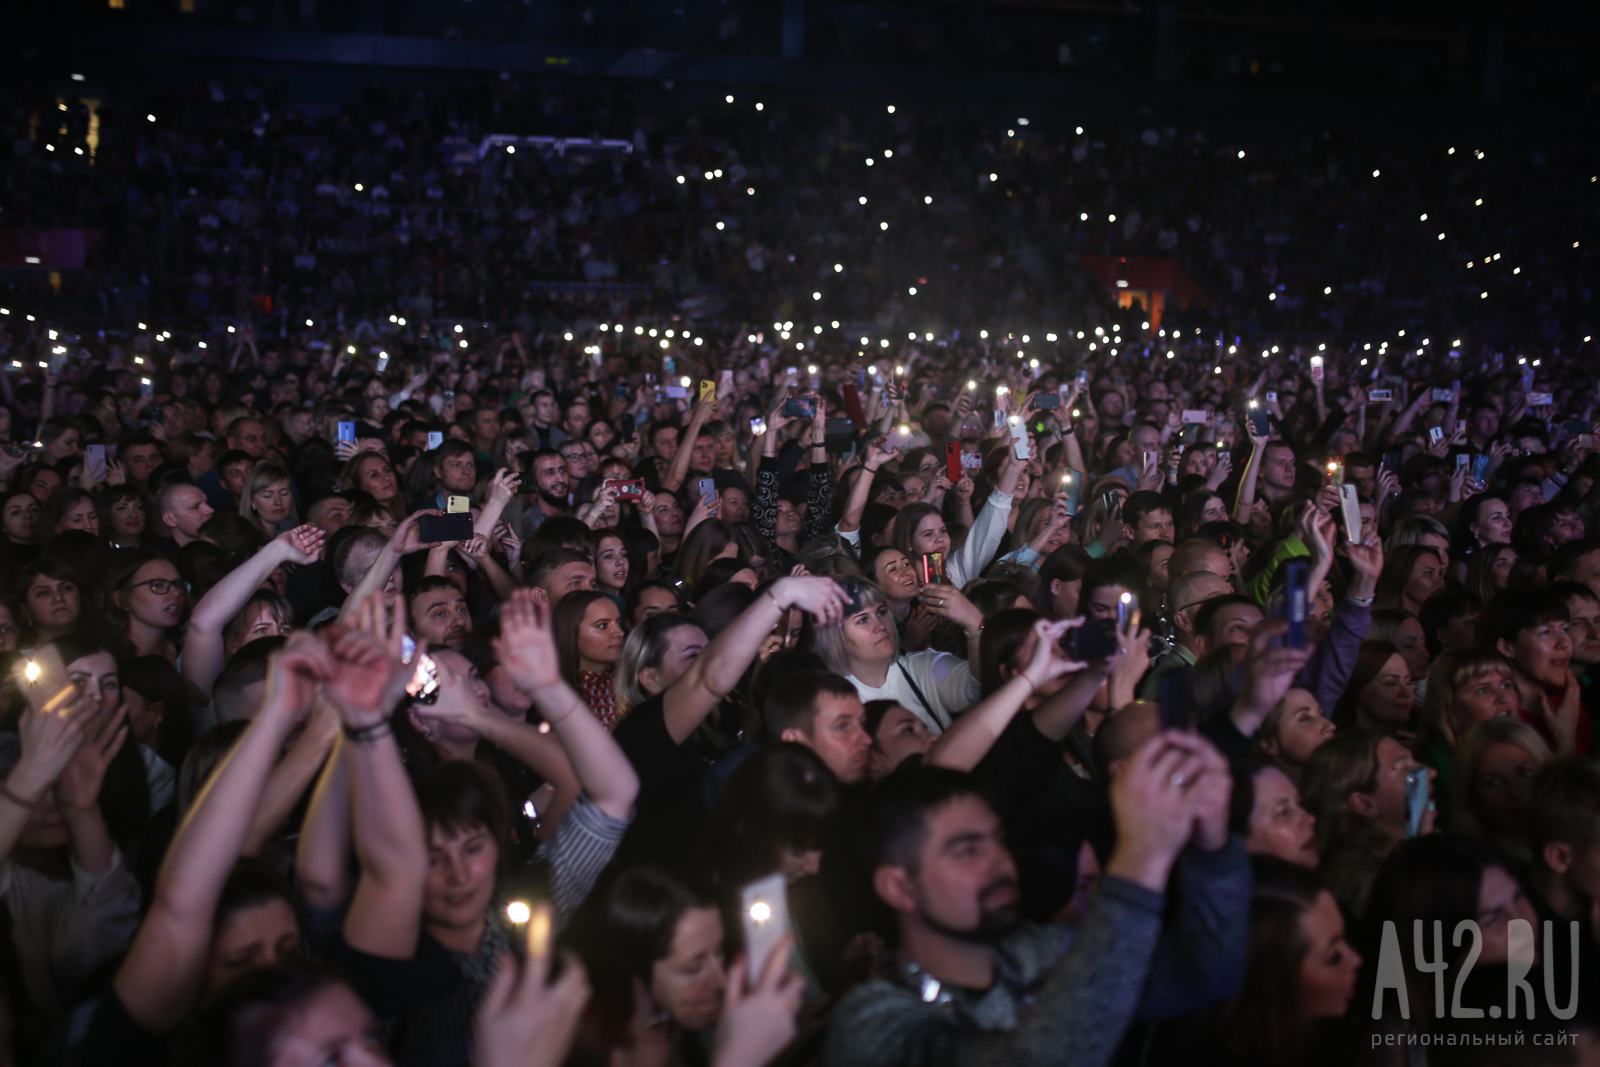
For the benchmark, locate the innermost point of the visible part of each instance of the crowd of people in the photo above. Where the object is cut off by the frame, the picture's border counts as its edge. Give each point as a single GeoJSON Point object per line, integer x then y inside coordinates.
{"type": "Point", "coordinates": [605, 685]}
{"type": "Point", "coordinates": [228, 201]}
{"type": "Point", "coordinates": [480, 706]}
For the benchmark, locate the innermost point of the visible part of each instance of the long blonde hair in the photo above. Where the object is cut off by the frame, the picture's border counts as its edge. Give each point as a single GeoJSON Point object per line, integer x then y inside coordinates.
{"type": "Point", "coordinates": [1475, 742]}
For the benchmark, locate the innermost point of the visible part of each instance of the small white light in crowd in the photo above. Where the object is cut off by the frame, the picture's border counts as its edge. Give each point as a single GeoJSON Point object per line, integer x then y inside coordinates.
{"type": "Point", "coordinates": [800, 344]}
{"type": "Point", "coordinates": [891, 109]}
{"type": "Point", "coordinates": [838, 268]}
{"type": "Point", "coordinates": [911, 337]}
{"type": "Point", "coordinates": [77, 77]}
{"type": "Point", "coordinates": [994, 177]}
{"type": "Point", "coordinates": [761, 107]}
{"type": "Point", "coordinates": [638, 329]}
{"type": "Point", "coordinates": [518, 912]}
{"type": "Point", "coordinates": [751, 191]}
{"type": "Point", "coordinates": [883, 225]}
{"type": "Point", "coordinates": [983, 334]}
{"type": "Point", "coordinates": [721, 226]}
{"type": "Point", "coordinates": [912, 290]}
{"type": "Point", "coordinates": [861, 200]}
{"type": "Point", "coordinates": [681, 179]}
{"type": "Point", "coordinates": [759, 911]}
{"type": "Point", "coordinates": [511, 149]}
{"type": "Point", "coordinates": [604, 327]}
{"type": "Point", "coordinates": [567, 336]}
{"type": "Point", "coordinates": [31, 671]}
{"type": "Point", "coordinates": [308, 322]}
{"type": "Point", "coordinates": [1111, 218]}
{"type": "Point", "coordinates": [729, 99]}
{"type": "Point", "coordinates": [927, 200]}
{"type": "Point", "coordinates": [816, 296]}
{"type": "Point", "coordinates": [1080, 129]}
{"type": "Point", "coordinates": [1424, 216]}
{"type": "Point", "coordinates": [150, 118]}
{"type": "Point", "coordinates": [816, 329]}
{"type": "Point", "coordinates": [888, 153]}
{"type": "Point", "coordinates": [708, 175]}
{"type": "Point", "coordinates": [869, 161]}
{"type": "Point", "coordinates": [699, 340]}
{"type": "Point", "coordinates": [1376, 173]}
{"type": "Point", "coordinates": [358, 187]}
{"type": "Point", "coordinates": [884, 343]}
{"type": "Point", "coordinates": [1241, 153]}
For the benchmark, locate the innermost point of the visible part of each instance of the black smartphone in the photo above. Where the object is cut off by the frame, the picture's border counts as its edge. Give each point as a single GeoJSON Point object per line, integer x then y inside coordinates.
{"type": "Point", "coordinates": [1048, 401]}
{"type": "Point", "coordinates": [852, 590]}
{"type": "Point", "coordinates": [1095, 640]}
{"type": "Point", "coordinates": [625, 426]}
{"type": "Point", "coordinates": [1260, 422]}
{"type": "Point", "coordinates": [435, 528]}
{"type": "Point", "coordinates": [800, 407]}
{"type": "Point", "coordinates": [283, 526]}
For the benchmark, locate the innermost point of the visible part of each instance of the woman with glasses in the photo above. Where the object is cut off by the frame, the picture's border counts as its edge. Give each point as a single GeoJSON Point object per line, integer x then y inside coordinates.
{"type": "Point", "coordinates": [142, 605]}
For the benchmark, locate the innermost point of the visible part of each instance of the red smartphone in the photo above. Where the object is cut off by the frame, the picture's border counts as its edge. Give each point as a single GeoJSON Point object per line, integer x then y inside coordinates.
{"type": "Point", "coordinates": [626, 489]}
{"type": "Point", "coordinates": [952, 461]}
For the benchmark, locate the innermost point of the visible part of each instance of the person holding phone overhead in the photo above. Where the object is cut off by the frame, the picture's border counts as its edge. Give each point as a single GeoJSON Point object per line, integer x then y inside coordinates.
{"type": "Point", "coordinates": [773, 506]}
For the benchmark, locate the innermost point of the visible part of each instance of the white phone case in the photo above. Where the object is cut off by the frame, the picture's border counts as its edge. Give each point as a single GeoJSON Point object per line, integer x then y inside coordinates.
{"type": "Point", "coordinates": [764, 909]}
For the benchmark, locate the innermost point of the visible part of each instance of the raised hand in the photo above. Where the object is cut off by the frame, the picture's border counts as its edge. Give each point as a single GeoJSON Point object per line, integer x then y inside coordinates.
{"type": "Point", "coordinates": [1211, 794]}
{"type": "Point", "coordinates": [1152, 810]}
{"type": "Point", "coordinates": [503, 486]}
{"type": "Point", "coordinates": [51, 735]}
{"type": "Point", "coordinates": [78, 786]}
{"type": "Point", "coordinates": [407, 536]}
{"type": "Point", "coordinates": [526, 647]}
{"type": "Point", "coordinates": [1049, 662]}
{"type": "Point", "coordinates": [947, 602]}
{"type": "Point", "coordinates": [303, 543]}
{"type": "Point", "coordinates": [759, 1023]}
{"type": "Point", "coordinates": [360, 682]}
{"type": "Point", "coordinates": [821, 598]}
{"type": "Point", "coordinates": [525, 1020]}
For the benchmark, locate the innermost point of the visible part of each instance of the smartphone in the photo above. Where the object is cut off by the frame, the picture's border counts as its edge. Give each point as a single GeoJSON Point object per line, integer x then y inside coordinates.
{"type": "Point", "coordinates": [457, 505]}
{"type": "Point", "coordinates": [1296, 601]}
{"type": "Point", "coordinates": [898, 437]}
{"type": "Point", "coordinates": [758, 426]}
{"type": "Point", "coordinates": [1272, 396]}
{"type": "Point", "coordinates": [706, 488]}
{"type": "Point", "coordinates": [1073, 491]}
{"type": "Point", "coordinates": [669, 365]}
{"type": "Point", "coordinates": [626, 489]}
{"type": "Point", "coordinates": [1193, 417]}
{"type": "Point", "coordinates": [347, 433]}
{"type": "Point", "coordinates": [1152, 459]}
{"type": "Point", "coordinates": [933, 568]}
{"type": "Point", "coordinates": [764, 910]}
{"type": "Point", "coordinates": [58, 362]}
{"type": "Point", "coordinates": [1083, 379]}
{"type": "Point", "coordinates": [1376, 395]}
{"type": "Point", "coordinates": [952, 461]}
{"type": "Point", "coordinates": [434, 529]}
{"type": "Point", "coordinates": [1444, 396]}
{"type": "Point", "coordinates": [449, 397]}
{"type": "Point", "coordinates": [1095, 640]}
{"type": "Point", "coordinates": [283, 526]}
{"type": "Point", "coordinates": [383, 362]}
{"type": "Point", "coordinates": [1391, 462]}
{"type": "Point", "coordinates": [435, 439]}
{"type": "Point", "coordinates": [1436, 434]}
{"type": "Point", "coordinates": [800, 407]}
{"type": "Point", "coordinates": [1541, 400]}
{"type": "Point", "coordinates": [1418, 788]}
{"type": "Point", "coordinates": [1175, 706]}
{"type": "Point", "coordinates": [852, 592]}
{"type": "Point", "coordinates": [622, 392]}
{"type": "Point", "coordinates": [1350, 507]}
{"type": "Point", "coordinates": [423, 688]}
{"type": "Point", "coordinates": [1336, 472]}
{"type": "Point", "coordinates": [676, 392]}
{"type": "Point", "coordinates": [1480, 467]}
{"type": "Point", "coordinates": [147, 388]}
{"type": "Point", "coordinates": [1048, 401]}
{"type": "Point", "coordinates": [1260, 422]}
{"type": "Point", "coordinates": [95, 456]}
{"type": "Point", "coordinates": [708, 392]}
{"type": "Point", "coordinates": [1462, 459]}
{"type": "Point", "coordinates": [1022, 447]}
{"type": "Point", "coordinates": [1316, 368]}
{"type": "Point", "coordinates": [625, 426]}
{"type": "Point", "coordinates": [408, 648]}
{"type": "Point", "coordinates": [725, 384]}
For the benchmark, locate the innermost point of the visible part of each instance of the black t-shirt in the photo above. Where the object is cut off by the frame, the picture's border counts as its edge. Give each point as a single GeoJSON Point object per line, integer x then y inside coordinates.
{"type": "Point", "coordinates": [671, 805]}
{"type": "Point", "coordinates": [1220, 731]}
{"type": "Point", "coordinates": [115, 1037]}
{"type": "Point", "coordinates": [1018, 768]}
{"type": "Point", "coordinates": [426, 1003]}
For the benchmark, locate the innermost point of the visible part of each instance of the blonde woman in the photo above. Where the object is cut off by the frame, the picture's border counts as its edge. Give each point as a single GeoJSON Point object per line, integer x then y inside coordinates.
{"type": "Point", "coordinates": [1495, 763]}
{"type": "Point", "coordinates": [1466, 686]}
{"type": "Point", "coordinates": [268, 499]}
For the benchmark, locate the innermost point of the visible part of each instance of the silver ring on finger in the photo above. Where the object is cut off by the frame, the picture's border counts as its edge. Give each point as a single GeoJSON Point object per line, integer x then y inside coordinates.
{"type": "Point", "coordinates": [1177, 778]}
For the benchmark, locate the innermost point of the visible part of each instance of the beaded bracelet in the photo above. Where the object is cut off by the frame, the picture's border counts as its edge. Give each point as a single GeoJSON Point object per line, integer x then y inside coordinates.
{"type": "Point", "coordinates": [376, 731]}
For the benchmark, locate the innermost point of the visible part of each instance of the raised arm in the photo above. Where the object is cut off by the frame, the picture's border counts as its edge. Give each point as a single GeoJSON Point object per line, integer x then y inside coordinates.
{"type": "Point", "coordinates": [77, 793]}
{"type": "Point", "coordinates": [678, 469]}
{"type": "Point", "coordinates": [406, 540]}
{"type": "Point", "coordinates": [203, 655]}
{"type": "Point", "coordinates": [526, 649]}
{"type": "Point", "coordinates": [973, 734]}
{"type": "Point", "coordinates": [159, 981]}
{"type": "Point", "coordinates": [718, 669]}
{"type": "Point", "coordinates": [501, 489]}
{"type": "Point", "coordinates": [293, 775]}
{"type": "Point", "coordinates": [322, 855]}
{"type": "Point", "coordinates": [1247, 484]}
{"type": "Point", "coordinates": [385, 917]}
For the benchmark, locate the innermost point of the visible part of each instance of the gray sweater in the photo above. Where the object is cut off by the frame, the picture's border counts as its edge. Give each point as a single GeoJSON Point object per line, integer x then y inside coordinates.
{"type": "Point", "coordinates": [1064, 997]}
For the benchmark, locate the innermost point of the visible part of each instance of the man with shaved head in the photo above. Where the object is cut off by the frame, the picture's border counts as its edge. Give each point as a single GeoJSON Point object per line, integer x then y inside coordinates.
{"type": "Point", "coordinates": [1184, 597]}
{"type": "Point", "coordinates": [1198, 554]}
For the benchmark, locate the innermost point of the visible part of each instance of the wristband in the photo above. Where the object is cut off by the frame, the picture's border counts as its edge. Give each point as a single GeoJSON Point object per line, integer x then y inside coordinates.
{"type": "Point", "coordinates": [1364, 601]}
{"type": "Point", "coordinates": [5, 791]}
{"type": "Point", "coordinates": [369, 733]}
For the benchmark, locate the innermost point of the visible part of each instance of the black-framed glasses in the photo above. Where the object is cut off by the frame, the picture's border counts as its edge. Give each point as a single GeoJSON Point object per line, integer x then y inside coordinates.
{"type": "Point", "coordinates": [163, 586]}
